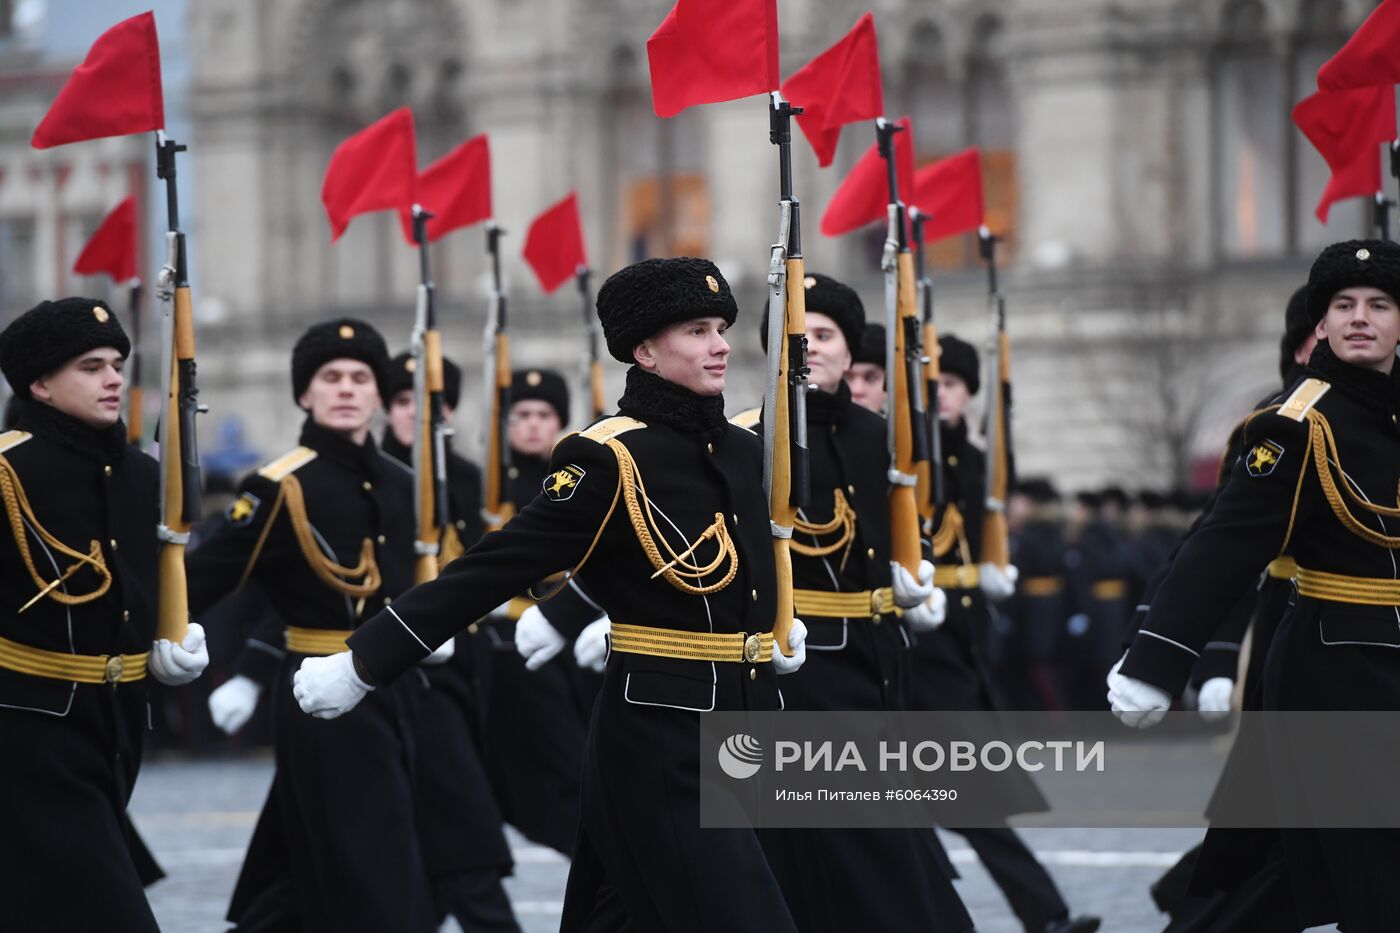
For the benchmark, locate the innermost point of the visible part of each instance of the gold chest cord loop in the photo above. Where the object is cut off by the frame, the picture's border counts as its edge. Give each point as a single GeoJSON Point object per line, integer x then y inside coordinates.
{"type": "Point", "coordinates": [17, 509]}
{"type": "Point", "coordinates": [843, 519]}
{"type": "Point", "coordinates": [334, 575]}
{"type": "Point", "coordinates": [1323, 442]}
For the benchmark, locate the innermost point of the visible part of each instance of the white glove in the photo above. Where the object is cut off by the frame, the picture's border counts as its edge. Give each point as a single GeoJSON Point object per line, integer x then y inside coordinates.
{"type": "Point", "coordinates": [175, 665]}
{"type": "Point", "coordinates": [591, 646]}
{"type": "Point", "coordinates": [233, 704]}
{"type": "Point", "coordinates": [1213, 700]}
{"type": "Point", "coordinates": [929, 614]}
{"type": "Point", "coordinates": [536, 640]}
{"type": "Point", "coordinates": [797, 641]}
{"type": "Point", "coordinates": [999, 583]}
{"type": "Point", "coordinates": [328, 687]}
{"type": "Point", "coordinates": [909, 592]}
{"type": "Point", "coordinates": [1134, 702]}
{"type": "Point", "coordinates": [442, 655]}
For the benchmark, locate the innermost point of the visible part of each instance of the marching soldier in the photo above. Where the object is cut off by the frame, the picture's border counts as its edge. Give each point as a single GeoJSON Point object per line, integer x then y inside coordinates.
{"type": "Point", "coordinates": [327, 531]}
{"type": "Point", "coordinates": [661, 512]}
{"type": "Point", "coordinates": [78, 608]}
{"type": "Point", "coordinates": [856, 605]}
{"type": "Point", "coordinates": [1098, 567]}
{"type": "Point", "coordinates": [1040, 606]}
{"type": "Point", "coordinates": [1288, 496]}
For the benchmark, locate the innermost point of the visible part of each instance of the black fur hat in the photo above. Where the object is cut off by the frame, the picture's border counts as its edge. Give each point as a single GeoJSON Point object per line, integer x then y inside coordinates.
{"type": "Point", "coordinates": [960, 358]}
{"type": "Point", "coordinates": [543, 385]}
{"type": "Point", "coordinates": [51, 333]}
{"type": "Point", "coordinates": [837, 301]}
{"type": "Point", "coordinates": [400, 378]}
{"type": "Point", "coordinates": [648, 296]}
{"type": "Point", "coordinates": [1297, 325]}
{"type": "Point", "coordinates": [341, 339]}
{"type": "Point", "coordinates": [1355, 262]}
{"type": "Point", "coordinates": [872, 345]}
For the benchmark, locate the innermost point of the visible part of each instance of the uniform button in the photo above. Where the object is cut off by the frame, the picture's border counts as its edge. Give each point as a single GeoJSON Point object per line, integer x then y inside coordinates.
{"type": "Point", "coordinates": [112, 544]}
{"type": "Point", "coordinates": [366, 485]}
{"type": "Point", "coordinates": [967, 602]}
{"type": "Point", "coordinates": [380, 539]}
{"type": "Point", "coordinates": [386, 600]}
{"type": "Point", "coordinates": [952, 460]}
{"type": "Point", "coordinates": [126, 615]}
{"type": "Point", "coordinates": [107, 470]}
{"type": "Point", "coordinates": [461, 525]}
{"type": "Point", "coordinates": [851, 490]}
{"type": "Point", "coordinates": [754, 594]}
{"type": "Point", "coordinates": [870, 552]}
{"type": "Point", "coordinates": [473, 628]}
{"type": "Point", "coordinates": [710, 447]}
{"type": "Point", "coordinates": [736, 519]}
{"type": "Point", "coordinates": [513, 473]}
{"type": "Point", "coordinates": [753, 673]}
{"type": "Point", "coordinates": [886, 682]}
{"type": "Point", "coordinates": [875, 618]}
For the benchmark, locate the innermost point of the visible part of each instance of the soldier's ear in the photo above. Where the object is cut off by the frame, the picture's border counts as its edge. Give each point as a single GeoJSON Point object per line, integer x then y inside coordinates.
{"type": "Point", "coordinates": [39, 389]}
{"type": "Point", "coordinates": [645, 356]}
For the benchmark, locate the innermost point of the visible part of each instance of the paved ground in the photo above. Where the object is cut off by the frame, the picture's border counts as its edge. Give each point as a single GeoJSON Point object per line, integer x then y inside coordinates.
{"type": "Point", "coordinates": [198, 816]}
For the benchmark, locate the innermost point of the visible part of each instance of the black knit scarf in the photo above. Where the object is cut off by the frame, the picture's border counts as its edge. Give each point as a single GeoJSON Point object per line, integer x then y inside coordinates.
{"type": "Point", "coordinates": [652, 399]}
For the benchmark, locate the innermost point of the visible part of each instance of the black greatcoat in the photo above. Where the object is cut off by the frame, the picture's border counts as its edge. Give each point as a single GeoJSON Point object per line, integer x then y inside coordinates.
{"type": "Point", "coordinates": [1326, 655]}
{"type": "Point", "coordinates": [642, 858]}
{"type": "Point", "coordinates": [72, 750]}
{"type": "Point", "coordinates": [842, 879]}
{"type": "Point", "coordinates": [364, 872]}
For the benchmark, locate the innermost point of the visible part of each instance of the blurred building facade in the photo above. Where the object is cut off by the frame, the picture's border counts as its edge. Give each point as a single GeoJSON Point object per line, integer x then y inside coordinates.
{"type": "Point", "coordinates": [1155, 200]}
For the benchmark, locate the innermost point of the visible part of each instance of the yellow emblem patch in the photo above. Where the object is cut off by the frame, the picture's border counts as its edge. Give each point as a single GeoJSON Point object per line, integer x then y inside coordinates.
{"type": "Point", "coordinates": [560, 485]}
{"type": "Point", "coordinates": [1263, 458]}
{"type": "Point", "coordinates": [100, 313]}
{"type": "Point", "coordinates": [711, 281]}
{"type": "Point", "coordinates": [242, 510]}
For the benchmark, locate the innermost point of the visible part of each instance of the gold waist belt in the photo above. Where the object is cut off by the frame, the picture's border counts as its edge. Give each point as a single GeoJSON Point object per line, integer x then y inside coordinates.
{"type": "Point", "coordinates": [1283, 568]}
{"type": "Point", "coordinates": [957, 577]}
{"type": "Point", "coordinates": [737, 647]}
{"type": "Point", "coordinates": [1364, 591]}
{"type": "Point", "coordinates": [1109, 589]}
{"type": "Point", "coordinates": [83, 668]}
{"type": "Point", "coordinates": [316, 640]}
{"type": "Point", "coordinates": [1042, 586]}
{"type": "Point", "coordinates": [826, 605]}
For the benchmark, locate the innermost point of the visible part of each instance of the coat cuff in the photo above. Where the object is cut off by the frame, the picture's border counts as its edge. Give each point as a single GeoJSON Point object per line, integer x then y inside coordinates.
{"type": "Point", "coordinates": [258, 661]}
{"type": "Point", "coordinates": [1218, 659]}
{"type": "Point", "coordinates": [387, 647]}
{"type": "Point", "coordinates": [1160, 661]}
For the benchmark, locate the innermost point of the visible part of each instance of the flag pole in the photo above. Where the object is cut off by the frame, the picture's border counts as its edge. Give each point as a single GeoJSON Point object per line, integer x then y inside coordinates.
{"type": "Point", "coordinates": [134, 396]}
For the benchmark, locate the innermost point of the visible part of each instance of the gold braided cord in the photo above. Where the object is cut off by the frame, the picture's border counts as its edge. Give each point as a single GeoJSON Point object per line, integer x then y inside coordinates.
{"type": "Point", "coordinates": [949, 531]}
{"type": "Point", "coordinates": [678, 571]}
{"type": "Point", "coordinates": [1320, 440]}
{"type": "Point", "coordinates": [843, 519]}
{"type": "Point", "coordinates": [334, 575]}
{"type": "Point", "coordinates": [17, 508]}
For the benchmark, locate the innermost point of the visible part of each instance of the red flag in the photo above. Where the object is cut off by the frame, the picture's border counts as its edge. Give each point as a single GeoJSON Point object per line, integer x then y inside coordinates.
{"type": "Point", "coordinates": [112, 248]}
{"type": "Point", "coordinates": [839, 86]}
{"type": "Point", "coordinates": [554, 244]}
{"type": "Point", "coordinates": [374, 170]}
{"type": "Point", "coordinates": [115, 91]}
{"type": "Point", "coordinates": [864, 195]}
{"type": "Point", "coordinates": [1369, 57]}
{"type": "Point", "coordinates": [456, 189]}
{"type": "Point", "coordinates": [949, 194]}
{"type": "Point", "coordinates": [707, 51]}
{"type": "Point", "coordinates": [1345, 128]}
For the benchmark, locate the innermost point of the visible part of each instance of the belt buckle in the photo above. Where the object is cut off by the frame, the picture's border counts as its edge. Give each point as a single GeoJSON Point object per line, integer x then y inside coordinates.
{"type": "Point", "coordinates": [875, 602]}
{"type": "Point", "coordinates": [965, 573]}
{"type": "Point", "coordinates": [112, 671]}
{"type": "Point", "coordinates": [753, 646]}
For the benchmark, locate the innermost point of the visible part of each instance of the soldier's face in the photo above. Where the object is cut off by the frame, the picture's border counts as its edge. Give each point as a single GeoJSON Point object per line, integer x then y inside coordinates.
{"type": "Point", "coordinates": [87, 387]}
{"type": "Point", "coordinates": [532, 427]}
{"type": "Point", "coordinates": [1362, 326]}
{"type": "Point", "coordinates": [402, 414]}
{"type": "Point", "coordinates": [867, 382]}
{"type": "Point", "coordinates": [828, 355]}
{"type": "Point", "coordinates": [343, 397]}
{"type": "Point", "coordinates": [952, 397]}
{"type": "Point", "coordinates": [693, 354]}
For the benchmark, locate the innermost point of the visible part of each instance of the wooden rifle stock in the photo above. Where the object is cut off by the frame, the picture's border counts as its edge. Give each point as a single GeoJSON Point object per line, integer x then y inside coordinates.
{"type": "Point", "coordinates": [590, 327]}
{"type": "Point", "coordinates": [905, 547]}
{"type": "Point", "coordinates": [497, 507]}
{"type": "Point", "coordinates": [781, 506]}
{"type": "Point", "coordinates": [996, 548]}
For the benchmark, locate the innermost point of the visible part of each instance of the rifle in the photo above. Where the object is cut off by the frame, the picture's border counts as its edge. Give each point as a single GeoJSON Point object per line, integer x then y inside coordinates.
{"type": "Point", "coordinates": [995, 546]}
{"type": "Point", "coordinates": [497, 509]}
{"type": "Point", "coordinates": [590, 327]}
{"type": "Point", "coordinates": [135, 400]}
{"type": "Point", "coordinates": [932, 490]}
{"type": "Point", "coordinates": [905, 427]}
{"type": "Point", "coordinates": [429, 438]}
{"type": "Point", "coordinates": [785, 461]}
{"type": "Point", "coordinates": [179, 454]}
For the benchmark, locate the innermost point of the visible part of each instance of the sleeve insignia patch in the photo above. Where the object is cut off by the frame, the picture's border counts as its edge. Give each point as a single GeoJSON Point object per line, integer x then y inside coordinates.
{"type": "Point", "coordinates": [560, 485]}
{"type": "Point", "coordinates": [242, 509]}
{"type": "Point", "coordinates": [1263, 458]}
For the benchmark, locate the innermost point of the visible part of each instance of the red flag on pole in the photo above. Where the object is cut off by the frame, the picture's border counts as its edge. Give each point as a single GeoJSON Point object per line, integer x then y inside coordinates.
{"type": "Point", "coordinates": [707, 51]}
{"type": "Point", "coordinates": [456, 189]}
{"type": "Point", "coordinates": [112, 248]}
{"type": "Point", "coordinates": [1369, 57]}
{"type": "Point", "coordinates": [839, 86]}
{"type": "Point", "coordinates": [115, 91]}
{"type": "Point", "coordinates": [864, 195]}
{"type": "Point", "coordinates": [374, 170]}
{"type": "Point", "coordinates": [554, 244]}
{"type": "Point", "coordinates": [1346, 127]}
{"type": "Point", "coordinates": [949, 194]}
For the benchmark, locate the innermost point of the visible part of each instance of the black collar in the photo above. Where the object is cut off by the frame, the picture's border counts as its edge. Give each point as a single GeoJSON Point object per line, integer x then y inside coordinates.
{"type": "Point", "coordinates": [1374, 389]}
{"type": "Point", "coordinates": [390, 445]}
{"type": "Point", "coordinates": [360, 458]}
{"type": "Point", "coordinates": [101, 445]}
{"type": "Point", "coordinates": [652, 399]}
{"type": "Point", "coordinates": [829, 407]}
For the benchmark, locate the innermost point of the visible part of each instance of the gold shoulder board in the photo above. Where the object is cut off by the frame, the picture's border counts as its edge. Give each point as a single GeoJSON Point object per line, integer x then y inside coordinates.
{"type": "Point", "coordinates": [747, 419]}
{"type": "Point", "coordinates": [1308, 394]}
{"type": "Point", "coordinates": [608, 428]}
{"type": "Point", "coordinates": [287, 464]}
{"type": "Point", "coordinates": [12, 439]}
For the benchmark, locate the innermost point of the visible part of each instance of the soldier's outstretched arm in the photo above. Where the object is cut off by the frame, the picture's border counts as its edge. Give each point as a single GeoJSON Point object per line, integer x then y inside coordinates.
{"type": "Point", "coordinates": [1248, 525]}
